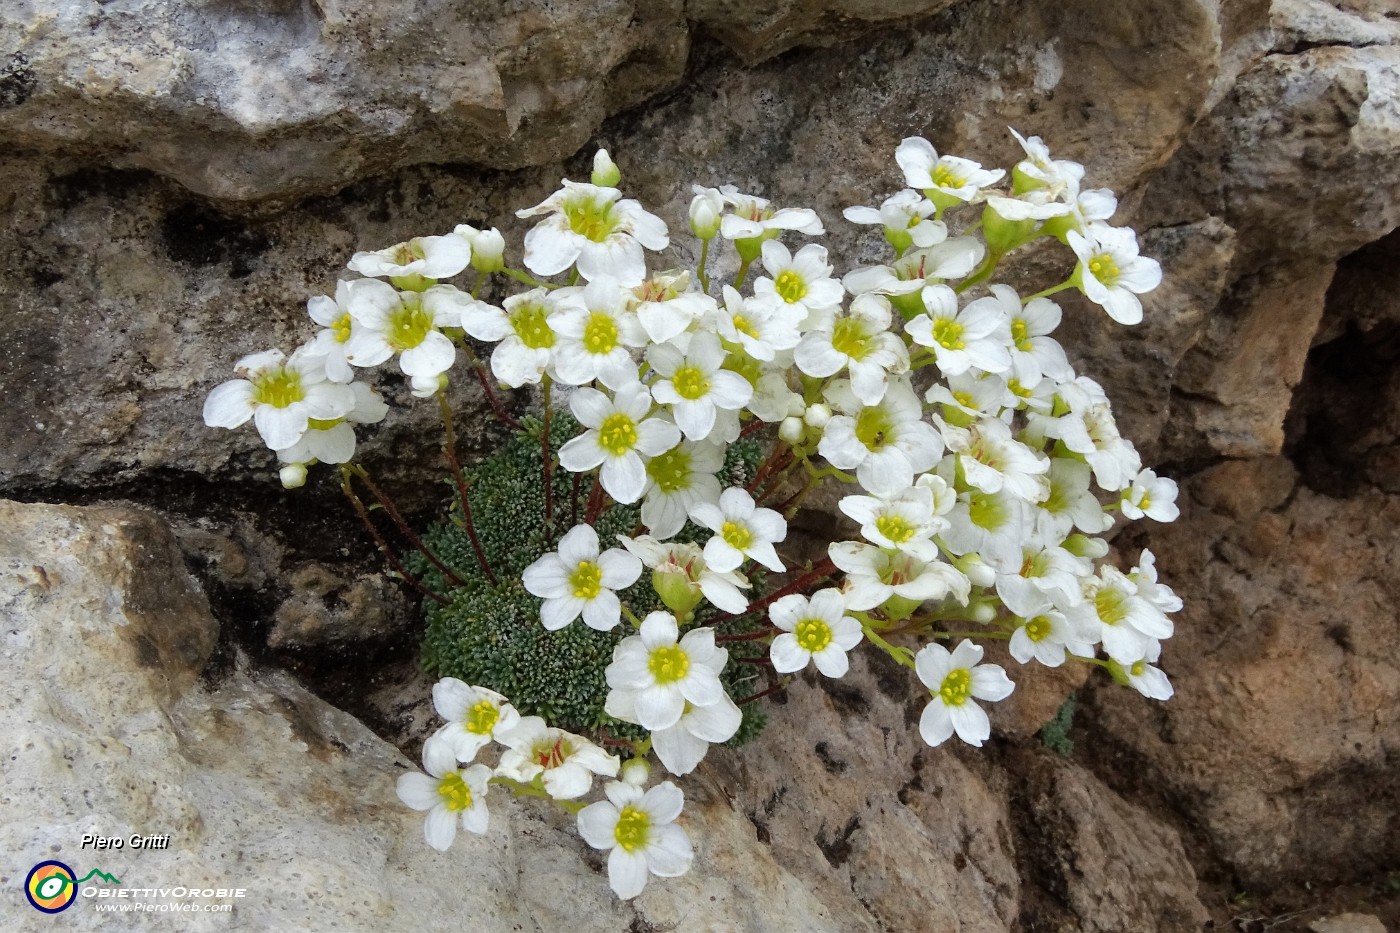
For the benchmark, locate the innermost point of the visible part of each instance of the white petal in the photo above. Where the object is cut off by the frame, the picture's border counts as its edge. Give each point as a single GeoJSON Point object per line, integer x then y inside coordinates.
{"type": "Point", "coordinates": [418, 791]}
{"type": "Point", "coordinates": [229, 405]}
{"type": "Point", "coordinates": [440, 828]}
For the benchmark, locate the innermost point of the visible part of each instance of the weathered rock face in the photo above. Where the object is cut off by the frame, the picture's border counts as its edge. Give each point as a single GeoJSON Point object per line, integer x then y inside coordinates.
{"type": "Point", "coordinates": [169, 208]}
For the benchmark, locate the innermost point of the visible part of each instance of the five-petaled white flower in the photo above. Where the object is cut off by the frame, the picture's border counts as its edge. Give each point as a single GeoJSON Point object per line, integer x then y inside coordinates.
{"type": "Point", "coordinates": [975, 336]}
{"type": "Point", "coordinates": [695, 387]}
{"type": "Point", "coordinates": [404, 323]}
{"type": "Point", "coordinates": [523, 329]}
{"type": "Point", "coordinates": [905, 217]}
{"type": "Point", "coordinates": [678, 480]}
{"type": "Point", "coordinates": [475, 716]}
{"type": "Point", "coordinates": [874, 575]}
{"type": "Point", "coordinates": [860, 341]}
{"type": "Point", "coordinates": [945, 180]}
{"type": "Point", "coordinates": [1110, 271]}
{"type": "Point", "coordinates": [565, 763]}
{"type": "Point", "coordinates": [803, 280]}
{"type": "Point", "coordinates": [679, 568]}
{"type": "Point", "coordinates": [637, 829]}
{"type": "Point", "coordinates": [619, 435]}
{"type": "Point", "coordinates": [577, 579]}
{"type": "Point", "coordinates": [741, 531]}
{"type": "Point", "coordinates": [281, 394]}
{"type": "Point", "coordinates": [956, 679]}
{"type": "Point", "coordinates": [596, 228]}
{"type": "Point", "coordinates": [450, 794]}
{"type": "Point", "coordinates": [662, 672]}
{"type": "Point", "coordinates": [816, 630]}
{"type": "Point", "coordinates": [1150, 495]}
{"type": "Point", "coordinates": [333, 315]}
{"type": "Point", "coordinates": [594, 333]}
{"type": "Point", "coordinates": [432, 257]}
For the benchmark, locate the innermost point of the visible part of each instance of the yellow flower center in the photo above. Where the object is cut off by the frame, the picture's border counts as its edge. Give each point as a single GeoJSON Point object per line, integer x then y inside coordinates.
{"type": "Point", "coordinates": [690, 383]}
{"type": "Point", "coordinates": [633, 829]}
{"type": "Point", "coordinates": [1138, 668]}
{"type": "Point", "coordinates": [668, 664]}
{"type": "Point", "coordinates": [1020, 333]}
{"type": "Point", "coordinates": [956, 687]}
{"type": "Point", "coordinates": [600, 333]}
{"type": "Point", "coordinates": [341, 328]}
{"type": "Point", "coordinates": [1145, 503]}
{"type": "Point", "coordinates": [455, 793]}
{"type": "Point", "coordinates": [945, 177]}
{"type": "Point", "coordinates": [789, 286]}
{"type": "Point", "coordinates": [736, 535]}
{"type": "Point", "coordinates": [1014, 386]}
{"type": "Point", "coordinates": [1038, 629]}
{"type": "Point", "coordinates": [895, 528]}
{"type": "Point", "coordinates": [948, 333]}
{"type": "Point", "coordinates": [590, 221]}
{"type": "Point", "coordinates": [1111, 605]}
{"type": "Point", "coordinates": [873, 428]}
{"type": "Point", "coordinates": [744, 326]}
{"type": "Point", "coordinates": [482, 717]}
{"type": "Point", "coordinates": [532, 327]}
{"type": "Point", "coordinates": [587, 580]}
{"type": "Point", "coordinates": [617, 434]}
{"type": "Point", "coordinates": [849, 337]}
{"type": "Point", "coordinates": [1103, 268]}
{"type": "Point", "coordinates": [812, 634]}
{"type": "Point", "coordinates": [965, 399]}
{"type": "Point", "coordinates": [409, 324]}
{"type": "Point", "coordinates": [278, 387]}
{"type": "Point", "coordinates": [670, 471]}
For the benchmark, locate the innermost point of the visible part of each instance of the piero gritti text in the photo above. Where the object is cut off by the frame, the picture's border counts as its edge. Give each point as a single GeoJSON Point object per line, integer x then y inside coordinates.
{"type": "Point", "coordinates": [134, 841]}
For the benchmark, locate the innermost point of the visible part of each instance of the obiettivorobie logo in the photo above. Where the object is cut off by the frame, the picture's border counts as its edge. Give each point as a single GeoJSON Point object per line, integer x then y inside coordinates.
{"type": "Point", "coordinates": [52, 886]}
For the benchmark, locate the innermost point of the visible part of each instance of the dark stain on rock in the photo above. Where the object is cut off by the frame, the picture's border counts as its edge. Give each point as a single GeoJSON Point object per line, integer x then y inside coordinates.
{"type": "Point", "coordinates": [837, 849]}
{"type": "Point", "coordinates": [832, 764]}
{"type": "Point", "coordinates": [197, 235]}
{"type": "Point", "coordinates": [17, 82]}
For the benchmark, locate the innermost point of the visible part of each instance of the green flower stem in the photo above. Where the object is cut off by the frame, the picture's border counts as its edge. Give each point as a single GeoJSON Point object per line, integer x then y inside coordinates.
{"type": "Point", "coordinates": [393, 512]}
{"type": "Point", "coordinates": [900, 655]}
{"type": "Point", "coordinates": [534, 789]}
{"type": "Point", "coordinates": [449, 451]}
{"type": "Point", "coordinates": [826, 471]}
{"type": "Point", "coordinates": [346, 472]}
{"type": "Point", "coordinates": [1068, 283]}
{"type": "Point", "coordinates": [743, 274]}
{"type": "Point", "coordinates": [528, 279]}
{"type": "Point", "coordinates": [631, 616]}
{"type": "Point", "coordinates": [984, 272]}
{"type": "Point", "coordinates": [997, 635]}
{"type": "Point", "coordinates": [700, 270]}
{"type": "Point", "coordinates": [573, 276]}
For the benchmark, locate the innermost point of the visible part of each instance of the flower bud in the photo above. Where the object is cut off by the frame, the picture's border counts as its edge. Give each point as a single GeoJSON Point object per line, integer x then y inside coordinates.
{"type": "Point", "coordinates": [427, 388]}
{"type": "Point", "coordinates": [606, 174]}
{"type": "Point", "coordinates": [705, 211]}
{"type": "Point", "coordinates": [635, 772]}
{"type": "Point", "coordinates": [678, 592]}
{"type": "Point", "coordinates": [1083, 546]}
{"type": "Point", "coordinates": [488, 251]}
{"type": "Point", "coordinates": [976, 569]}
{"type": "Point", "coordinates": [791, 430]}
{"type": "Point", "coordinates": [983, 613]}
{"type": "Point", "coordinates": [293, 475]}
{"type": "Point", "coordinates": [817, 416]}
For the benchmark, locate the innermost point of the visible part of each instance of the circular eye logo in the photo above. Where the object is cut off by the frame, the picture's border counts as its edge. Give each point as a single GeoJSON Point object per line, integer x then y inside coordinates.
{"type": "Point", "coordinates": [50, 887]}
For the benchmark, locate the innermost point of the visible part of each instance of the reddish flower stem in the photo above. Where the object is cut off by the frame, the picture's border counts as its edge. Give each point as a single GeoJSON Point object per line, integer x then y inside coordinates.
{"type": "Point", "coordinates": [449, 450]}
{"type": "Point", "coordinates": [383, 545]}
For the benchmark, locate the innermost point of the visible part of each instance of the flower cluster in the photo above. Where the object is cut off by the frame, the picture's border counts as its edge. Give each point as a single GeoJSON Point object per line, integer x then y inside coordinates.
{"type": "Point", "coordinates": [983, 468]}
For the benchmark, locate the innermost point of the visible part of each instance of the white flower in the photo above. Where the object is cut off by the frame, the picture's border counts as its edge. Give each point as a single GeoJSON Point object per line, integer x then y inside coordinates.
{"type": "Point", "coordinates": [564, 762]}
{"type": "Point", "coordinates": [488, 247]}
{"type": "Point", "coordinates": [1033, 352]}
{"type": "Point", "coordinates": [946, 180]}
{"type": "Point", "coordinates": [677, 480]}
{"type": "Point", "coordinates": [404, 323]}
{"type": "Point", "coordinates": [333, 441]}
{"type": "Point", "coordinates": [762, 326]}
{"type": "Point", "coordinates": [905, 217]}
{"type": "Point", "coordinates": [886, 444]}
{"type": "Point", "coordinates": [860, 340]}
{"type": "Point", "coordinates": [681, 565]}
{"type": "Point", "coordinates": [1047, 636]}
{"type": "Point", "coordinates": [990, 524]}
{"type": "Point", "coordinates": [905, 521]}
{"type": "Point", "coordinates": [682, 746]}
{"type": "Point", "coordinates": [973, 394]}
{"type": "Point", "coordinates": [955, 679]}
{"type": "Point", "coordinates": [1091, 431]}
{"type": "Point", "coordinates": [1127, 624]}
{"type": "Point", "coordinates": [590, 226]}
{"type": "Point", "coordinates": [662, 673]}
{"type": "Point", "coordinates": [1158, 594]}
{"type": "Point", "coordinates": [804, 280]}
{"type": "Point", "coordinates": [874, 575]}
{"type": "Point", "coordinates": [975, 336]}
{"type": "Point", "coordinates": [1038, 170]}
{"type": "Point", "coordinates": [432, 257]}
{"type": "Point", "coordinates": [1037, 204]}
{"type": "Point", "coordinates": [992, 460]}
{"type": "Point", "coordinates": [1049, 573]}
{"type": "Point", "coordinates": [816, 630]}
{"type": "Point", "coordinates": [694, 386]}
{"type": "Point", "coordinates": [741, 531]}
{"type": "Point", "coordinates": [667, 307]}
{"type": "Point", "coordinates": [638, 831]}
{"type": "Point", "coordinates": [951, 259]}
{"type": "Point", "coordinates": [523, 329]}
{"type": "Point", "coordinates": [1150, 681]}
{"type": "Point", "coordinates": [475, 715]}
{"type": "Point", "coordinates": [333, 314]}
{"type": "Point", "coordinates": [705, 210]}
{"type": "Point", "coordinates": [755, 217]}
{"type": "Point", "coordinates": [619, 435]}
{"type": "Point", "coordinates": [577, 579]}
{"type": "Point", "coordinates": [773, 400]}
{"type": "Point", "coordinates": [1110, 271]}
{"type": "Point", "coordinates": [1150, 495]}
{"type": "Point", "coordinates": [594, 330]}
{"type": "Point", "coordinates": [281, 394]}
{"type": "Point", "coordinates": [450, 794]}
